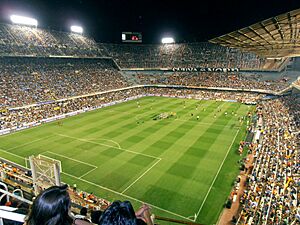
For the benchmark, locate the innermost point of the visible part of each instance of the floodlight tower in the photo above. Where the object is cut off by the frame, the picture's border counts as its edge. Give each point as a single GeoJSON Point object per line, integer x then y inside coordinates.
{"type": "Point", "coordinates": [76, 29]}
{"type": "Point", "coordinates": [23, 20]}
{"type": "Point", "coordinates": [167, 40]}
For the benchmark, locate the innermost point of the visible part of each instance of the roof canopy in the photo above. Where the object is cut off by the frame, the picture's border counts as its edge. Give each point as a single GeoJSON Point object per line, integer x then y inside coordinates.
{"type": "Point", "coordinates": [275, 37]}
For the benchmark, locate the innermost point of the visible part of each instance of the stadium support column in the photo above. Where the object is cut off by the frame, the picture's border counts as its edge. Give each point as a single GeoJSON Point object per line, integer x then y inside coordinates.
{"type": "Point", "coordinates": [34, 177]}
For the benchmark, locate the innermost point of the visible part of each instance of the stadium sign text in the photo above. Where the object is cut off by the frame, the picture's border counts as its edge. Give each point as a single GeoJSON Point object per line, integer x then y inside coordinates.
{"type": "Point", "coordinates": [204, 69]}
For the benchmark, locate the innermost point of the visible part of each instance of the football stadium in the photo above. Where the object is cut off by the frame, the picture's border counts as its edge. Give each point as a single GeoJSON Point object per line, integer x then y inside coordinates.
{"type": "Point", "coordinates": [127, 132]}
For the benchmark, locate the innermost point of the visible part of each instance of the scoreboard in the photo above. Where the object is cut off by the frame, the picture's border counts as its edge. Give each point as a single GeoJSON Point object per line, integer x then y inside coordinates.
{"type": "Point", "coordinates": [132, 37]}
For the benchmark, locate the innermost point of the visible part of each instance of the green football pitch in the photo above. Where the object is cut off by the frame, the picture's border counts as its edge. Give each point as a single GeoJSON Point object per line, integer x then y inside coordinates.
{"type": "Point", "coordinates": [183, 166]}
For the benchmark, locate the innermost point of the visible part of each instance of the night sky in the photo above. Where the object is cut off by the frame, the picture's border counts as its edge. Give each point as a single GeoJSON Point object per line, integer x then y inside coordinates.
{"type": "Point", "coordinates": [186, 20]}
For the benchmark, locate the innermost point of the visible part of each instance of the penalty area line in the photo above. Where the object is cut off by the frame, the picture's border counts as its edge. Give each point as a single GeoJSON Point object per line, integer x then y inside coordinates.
{"type": "Point", "coordinates": [75, 160]}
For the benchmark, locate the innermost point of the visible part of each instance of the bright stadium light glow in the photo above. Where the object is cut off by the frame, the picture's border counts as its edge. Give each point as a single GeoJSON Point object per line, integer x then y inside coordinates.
{"type": "Point", "coordinates": [23, 20]}
{"type": "Point", "coordinates": [77, 29]}
{"type": "Point", "coordinates": [167, 40]}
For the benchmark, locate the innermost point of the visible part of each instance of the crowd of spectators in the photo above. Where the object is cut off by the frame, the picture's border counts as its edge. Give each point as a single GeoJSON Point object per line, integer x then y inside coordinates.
{"type": "Point", "coordinates": [23, 40]}
{"type": "Point", "coordinates": [243, 97]}
{"type": "Point", "coordinates": [17, 40]}
{"type": "Point", "coordinates": [200, 54]}
{"type": "Point", "coordinates": [224, 80]}
{"type": "Point", "coordinates": [272, 194]}
{"type": "Point", "coordinates": [30, 80]}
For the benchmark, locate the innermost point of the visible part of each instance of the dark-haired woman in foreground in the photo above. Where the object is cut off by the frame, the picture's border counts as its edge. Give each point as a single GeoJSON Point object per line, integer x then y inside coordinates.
{"type": "Point", "coordinates": [52, 207]}
{"type": "Point", "coordinates": [122, 213]}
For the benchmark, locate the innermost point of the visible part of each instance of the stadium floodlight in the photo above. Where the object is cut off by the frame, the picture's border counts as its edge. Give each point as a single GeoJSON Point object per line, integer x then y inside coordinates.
{"type": "Point", "coordinates": [167, 40]}
{"type": "Point", "coordinates": [77, 29]}
{"type": "Point", "coordinates": [23, 20]}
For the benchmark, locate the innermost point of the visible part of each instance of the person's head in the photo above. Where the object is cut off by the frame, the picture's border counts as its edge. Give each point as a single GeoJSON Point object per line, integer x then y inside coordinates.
{"type": "Point", "coordinates": [95, 216]}
{"type": "Point", "coordinates": [83, 211]}
{"type": "Point", "coordinates": [118, 213]}
{"type": "Point", "coordinates": [51, 207]}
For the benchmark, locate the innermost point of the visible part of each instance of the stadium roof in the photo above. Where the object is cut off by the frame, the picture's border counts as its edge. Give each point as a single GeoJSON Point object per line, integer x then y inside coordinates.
{"type": "Point", "coordinates": [275, 37]}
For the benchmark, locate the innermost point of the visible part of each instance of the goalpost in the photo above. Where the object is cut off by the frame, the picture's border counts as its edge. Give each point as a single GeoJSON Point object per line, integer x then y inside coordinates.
{"type": "Point", "coordinates": [45, 171]}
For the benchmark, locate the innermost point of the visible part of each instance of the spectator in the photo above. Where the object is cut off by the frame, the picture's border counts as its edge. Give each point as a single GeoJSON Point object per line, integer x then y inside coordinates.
{"type": "Point", "coordinates": [83, 215]}
{"type": "Point", "coordinates": [95, 216]}
{"type": "Point", "coordinates": [52, 207]}
{"type": "Point", "coordinates": [122, 213]}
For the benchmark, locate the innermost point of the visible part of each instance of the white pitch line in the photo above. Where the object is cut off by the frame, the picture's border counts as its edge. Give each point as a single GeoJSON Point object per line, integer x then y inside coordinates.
{"type": "Point", "coordinates": [129, 197]}
{"type": "Point", "coordinates": [140, 176]}
{"type": "Point", "coordinates": [75, 160]}
{"type": "Point", "coordinates": [11, 154]}
{"type": "Point", "coordinates": [28, 143]}
{"type": "Point", "coordinates": [216, 176]}
{"type": "Point", "coordinates": [109, 146]}
{"type": "Point", "coordinates": [88, 172]}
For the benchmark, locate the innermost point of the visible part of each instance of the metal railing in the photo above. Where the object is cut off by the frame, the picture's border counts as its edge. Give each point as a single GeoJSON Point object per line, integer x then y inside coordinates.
{"type": "Point", "coordinates": [9, 214]}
